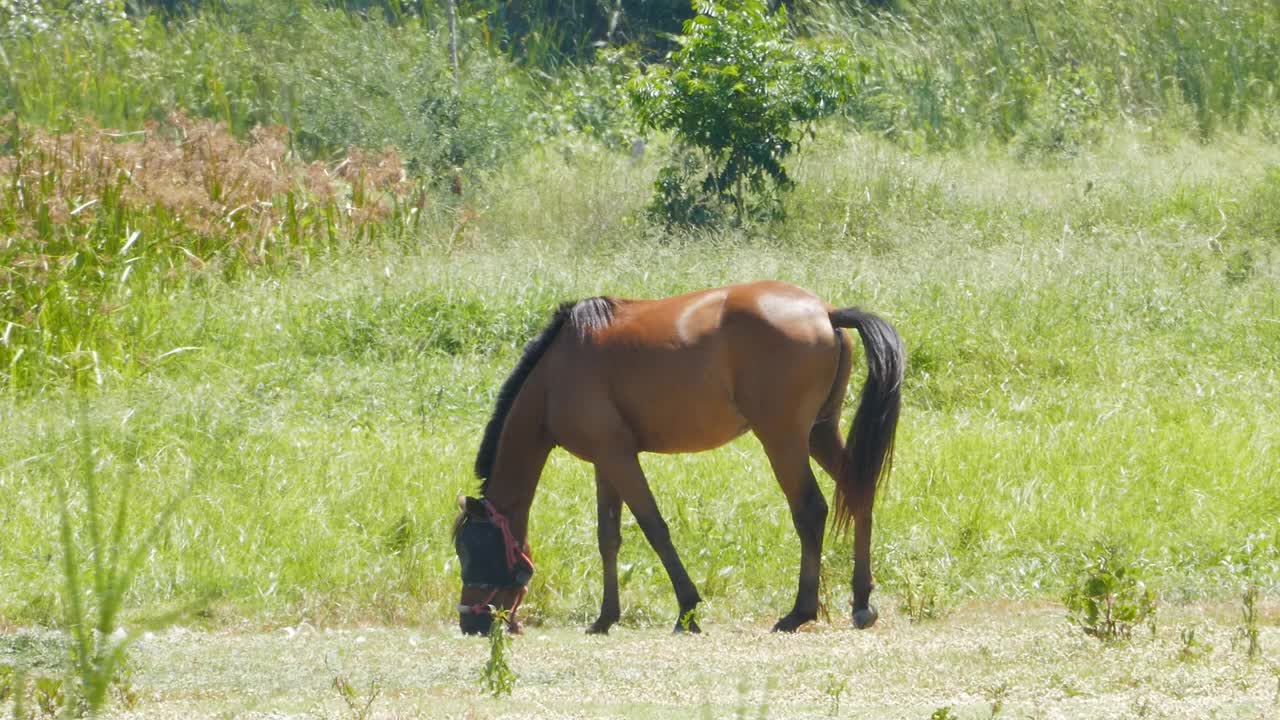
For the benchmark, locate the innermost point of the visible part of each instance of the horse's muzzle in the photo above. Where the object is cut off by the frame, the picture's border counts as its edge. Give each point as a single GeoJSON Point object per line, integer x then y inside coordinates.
{"type": "Point", "coordinates": [473, 623]}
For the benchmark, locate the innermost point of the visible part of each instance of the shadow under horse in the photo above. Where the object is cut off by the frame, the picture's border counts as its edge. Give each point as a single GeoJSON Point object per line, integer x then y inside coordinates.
{"type": "Point", "coordinates": [608, 378]}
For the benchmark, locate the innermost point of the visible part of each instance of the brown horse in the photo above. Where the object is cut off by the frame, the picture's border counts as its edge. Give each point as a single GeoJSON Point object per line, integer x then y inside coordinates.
{"type": "Point", "coordinates": [608, 379]}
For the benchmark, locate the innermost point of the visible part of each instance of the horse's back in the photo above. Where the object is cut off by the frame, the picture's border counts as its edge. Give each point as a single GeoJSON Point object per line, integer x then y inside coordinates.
{"type": "Point", "coordinates": [694, 371]}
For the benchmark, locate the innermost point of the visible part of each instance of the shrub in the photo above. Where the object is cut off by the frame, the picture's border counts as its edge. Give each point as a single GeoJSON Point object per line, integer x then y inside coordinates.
{"type": "Point", "coordinates": [1109, 600]}
{"type": "Point", "coordinates": [352, 88]}
{"type": "Point", "coordinates": [738, 95]}
{"type": "Point", "coordinates": [591, 101]}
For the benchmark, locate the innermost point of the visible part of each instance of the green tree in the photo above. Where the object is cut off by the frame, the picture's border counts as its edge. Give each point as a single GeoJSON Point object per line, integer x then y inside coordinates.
{"type": "Point", "coordinates": [739, 96]}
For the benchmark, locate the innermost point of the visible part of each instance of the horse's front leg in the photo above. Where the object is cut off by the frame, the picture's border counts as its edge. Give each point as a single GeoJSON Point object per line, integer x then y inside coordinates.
{"type": "Point", "coordinates": [624, 472]}
{"type": "Point", "coordinates": [609, 535]}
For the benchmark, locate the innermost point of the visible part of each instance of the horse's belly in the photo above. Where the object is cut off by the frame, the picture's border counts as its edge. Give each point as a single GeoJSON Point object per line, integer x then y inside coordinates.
{"type": "Point", "coordinates": [680, 435]}
{"type": "Point", "coordinates": [648, 407]}
{"type": "Point", "coordinates": [682, 417]}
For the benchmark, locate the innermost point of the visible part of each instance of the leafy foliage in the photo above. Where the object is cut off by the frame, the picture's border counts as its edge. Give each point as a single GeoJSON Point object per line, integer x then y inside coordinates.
{"type": "Point", "coordinates": [1110, 600]}
{"type": "Point", "coordinates": [739, 94]}
{"type": "Point", "coordinates": [589, 101]}
{"type": "Point", "coordinates": [358, 91]}
{"type": "Point", "coordinates": [498, 678]}
{"type": "Point", "coordinates": [546, 33]}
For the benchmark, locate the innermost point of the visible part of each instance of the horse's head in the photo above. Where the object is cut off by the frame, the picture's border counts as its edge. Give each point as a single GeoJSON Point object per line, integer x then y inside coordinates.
{"type": "Point", "coordinates": [495, 568]}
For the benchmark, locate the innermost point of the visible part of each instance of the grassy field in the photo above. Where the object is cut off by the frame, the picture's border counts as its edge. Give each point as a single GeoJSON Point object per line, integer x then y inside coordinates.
{"type": "Point", "coordinates": [1092, 348]}
{"type": "Point", "coordinates": [301, 340]}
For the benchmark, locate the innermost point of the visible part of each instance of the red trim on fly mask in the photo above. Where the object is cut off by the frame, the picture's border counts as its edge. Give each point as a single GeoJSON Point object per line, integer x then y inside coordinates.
{"type": "Point", "coordinates": [514, 553]}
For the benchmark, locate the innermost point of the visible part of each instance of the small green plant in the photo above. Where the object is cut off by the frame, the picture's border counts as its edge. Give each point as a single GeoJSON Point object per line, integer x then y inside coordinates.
{"type": "Point", "coordinates": [689, 620]}
{"type": "Point", "coordinates": [835, 687]}
{"type": "Point", "coordinates": [1192, 648]}
{"type": "Point", "coordinates": [94, 599]}
{"type": "Point", "coordinates": [923, 597]}
{"type": "Point", "coordinates": [498, 678]}
{"type": "Point", "coordinates": [1110, 599]}
{"type": "Point", "coordinates": [1244, 566]}
{"type": "Point", "coordinates": [359, 704]}
{"type": "Point", "coordinates": [996, 695]}
{"type": "Point", "coordinates": [51, 696]}
{"type": "Point", "coordinates": [918, 575]}
{"type": "Point", "coordinates": [943, 713]}
{"type": "Point", "coordinates": [1249, 619]}
{"type": "Point", "coordinates": [736, 93]}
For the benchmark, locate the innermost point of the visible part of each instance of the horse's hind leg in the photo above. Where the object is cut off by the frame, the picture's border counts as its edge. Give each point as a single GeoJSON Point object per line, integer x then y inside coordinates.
{"type": "Point", "coordinates": [790, 461]}
{"type": "Point", "coordinates": [609, 534]}
{"type": "Point", "coordinates": [826, 446]}
{"type": "Point", "coordinates": [624, 472]}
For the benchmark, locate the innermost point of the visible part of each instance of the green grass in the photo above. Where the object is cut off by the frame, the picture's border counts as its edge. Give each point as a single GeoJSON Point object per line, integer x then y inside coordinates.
{"type": "Point", "coordinates": [1090, 361]}
{"type": "Point", "coordinates": [336, 79]}
{"type": "Point", "coordinates": [1040, 74]}
{"type": "Point", "coordinates": [300, 332]}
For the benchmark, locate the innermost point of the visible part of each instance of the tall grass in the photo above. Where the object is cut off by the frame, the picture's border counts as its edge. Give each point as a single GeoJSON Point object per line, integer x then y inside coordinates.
{"type": "Point", "coordinates": [99, 232]}
{"type": "Point", "coordinates": [94, 598]}
{"type": "Point", "coordinates": [336, 79]}
{"type": "Point", "coordinates": [1040, 73]}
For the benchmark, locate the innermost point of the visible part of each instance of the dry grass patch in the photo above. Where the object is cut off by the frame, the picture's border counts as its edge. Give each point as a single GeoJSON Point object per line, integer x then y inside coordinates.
{"type": "Point", "coordinates": [1021, 660]}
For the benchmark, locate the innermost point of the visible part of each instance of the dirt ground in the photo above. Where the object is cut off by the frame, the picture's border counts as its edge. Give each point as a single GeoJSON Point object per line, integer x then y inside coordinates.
{"type": "Point", "coordinates": [1006, 661]}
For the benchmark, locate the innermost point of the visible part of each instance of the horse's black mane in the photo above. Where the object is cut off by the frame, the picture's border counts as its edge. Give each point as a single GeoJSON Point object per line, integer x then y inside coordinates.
{"type": "Point", "coordinates": [585, 316]}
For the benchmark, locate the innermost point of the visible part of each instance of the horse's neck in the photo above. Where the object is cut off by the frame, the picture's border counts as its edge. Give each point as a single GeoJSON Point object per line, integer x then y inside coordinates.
{"type": "Point", "coordinates": [522, 453]}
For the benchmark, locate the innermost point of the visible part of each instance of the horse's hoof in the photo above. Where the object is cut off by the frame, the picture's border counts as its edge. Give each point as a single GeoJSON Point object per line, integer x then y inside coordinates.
{"type": "Point", "coordinates": [690, 627]}
{"type": "Point", "coordinates": [599, 627]}
{"type": "Point", "coordinates": [791, 622]}
{"type": "Point", "coordinates": [865, 618]}
{"type": "Point", "coordinates": [688, 622]}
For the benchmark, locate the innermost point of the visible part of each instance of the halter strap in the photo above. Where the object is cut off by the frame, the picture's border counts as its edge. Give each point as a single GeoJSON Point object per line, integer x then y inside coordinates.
{"type": "Point", "coordinates": [514, 551]}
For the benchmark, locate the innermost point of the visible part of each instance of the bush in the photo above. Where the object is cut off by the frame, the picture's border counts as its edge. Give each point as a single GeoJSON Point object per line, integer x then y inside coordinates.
{"type": "Point", "coordinates": [738, 95]}
{"type": "Point", "coordinates": [1110, 599]}
{"type": "Point", "coordinates": [353, 88]}
{"type": "Point", "coordinates": [589, 101]}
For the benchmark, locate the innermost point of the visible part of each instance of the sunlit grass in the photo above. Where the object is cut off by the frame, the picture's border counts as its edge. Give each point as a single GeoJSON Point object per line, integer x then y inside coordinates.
{"type": "Point", "coordinates": [1070, 381]}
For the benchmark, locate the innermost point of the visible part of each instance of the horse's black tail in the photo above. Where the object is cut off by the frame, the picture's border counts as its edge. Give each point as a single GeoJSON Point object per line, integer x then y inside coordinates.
{"type": "Point", "coordinates": [868, 453]}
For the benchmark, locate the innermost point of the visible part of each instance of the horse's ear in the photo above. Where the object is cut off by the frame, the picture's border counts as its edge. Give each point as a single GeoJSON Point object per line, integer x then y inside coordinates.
{"type": "Point", "coordinates": [472, 507]}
